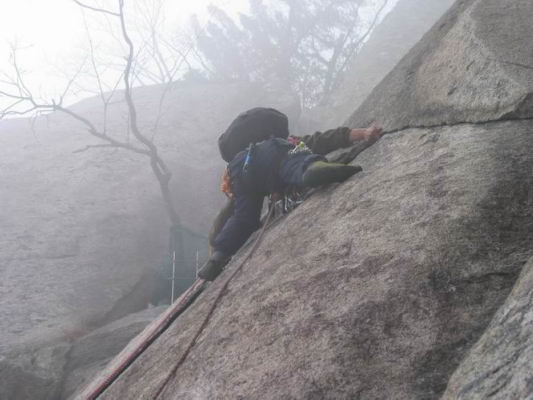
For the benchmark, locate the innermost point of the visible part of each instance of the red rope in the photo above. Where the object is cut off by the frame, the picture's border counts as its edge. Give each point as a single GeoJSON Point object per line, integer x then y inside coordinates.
{"type": "Point", "coordinates": [221, 293]}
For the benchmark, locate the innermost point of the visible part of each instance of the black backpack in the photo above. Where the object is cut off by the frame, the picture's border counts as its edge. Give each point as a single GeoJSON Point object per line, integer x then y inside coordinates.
{"type": "Point", "coordinates": [252, 126]}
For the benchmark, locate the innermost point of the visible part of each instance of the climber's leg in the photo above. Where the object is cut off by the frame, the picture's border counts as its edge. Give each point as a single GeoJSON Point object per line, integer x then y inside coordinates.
{"type": "Point", "coordinates": [321, 173]}
{"type": "Point", "coordinates": [244, 221]}
{"type": "Point", "coordinates": [311, 170]}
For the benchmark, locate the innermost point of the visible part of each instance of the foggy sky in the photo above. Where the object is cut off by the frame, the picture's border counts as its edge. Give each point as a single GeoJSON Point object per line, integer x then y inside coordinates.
{"type": "Point", "coordinates": [52, 36]}
{"type": "Point", "coordinates": [50, 30]}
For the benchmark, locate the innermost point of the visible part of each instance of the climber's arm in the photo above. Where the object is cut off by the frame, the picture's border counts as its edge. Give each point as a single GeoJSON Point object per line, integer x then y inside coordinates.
{"type": "Point", "coordinates": [333, 139]}
{"type": "Point", "coordinates": [220, 220]}
{"type": "Point", "coordinates": [328, 141]}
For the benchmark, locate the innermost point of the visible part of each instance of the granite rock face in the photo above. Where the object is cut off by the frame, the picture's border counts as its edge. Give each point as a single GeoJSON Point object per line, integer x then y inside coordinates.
{"type": "Point", "coordinates": [388, 277]}
{"type": "Point", "coordinates": [378, 288]}
{"type": "Point", "coordinates": [500, 365]}
{"type": "Point", "coordinates": [383, 286]}
{"type": "Point", "coordinates": [475, 65]}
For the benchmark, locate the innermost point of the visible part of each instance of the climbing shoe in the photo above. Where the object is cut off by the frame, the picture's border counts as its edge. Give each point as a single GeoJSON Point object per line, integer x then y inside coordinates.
{"type": "Point", "coordinates": [321, 173]}
{"type": "Point", "coordinates": [214, 266]}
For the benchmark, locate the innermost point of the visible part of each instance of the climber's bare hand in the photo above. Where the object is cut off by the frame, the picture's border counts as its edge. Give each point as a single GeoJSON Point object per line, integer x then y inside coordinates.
{"type": "Point", "coordinates": [370, 134]}
{"type": "Point", "coordinates": [373, 132]}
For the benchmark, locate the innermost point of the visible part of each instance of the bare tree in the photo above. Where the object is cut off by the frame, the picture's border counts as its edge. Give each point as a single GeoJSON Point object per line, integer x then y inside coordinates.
{"type": "Point", "coordinates": [25, 102]}
{"type": "Point", "coordinates": [22, 95]}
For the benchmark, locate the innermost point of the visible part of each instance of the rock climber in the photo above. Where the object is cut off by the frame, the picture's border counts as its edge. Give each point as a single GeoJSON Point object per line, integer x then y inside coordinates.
{"type": "Point", "coordinates": [270, 166]}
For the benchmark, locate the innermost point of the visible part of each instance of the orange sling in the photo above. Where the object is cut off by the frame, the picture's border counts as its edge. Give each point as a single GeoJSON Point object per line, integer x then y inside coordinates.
{"type": "Point", "coordinates": [225, 185]}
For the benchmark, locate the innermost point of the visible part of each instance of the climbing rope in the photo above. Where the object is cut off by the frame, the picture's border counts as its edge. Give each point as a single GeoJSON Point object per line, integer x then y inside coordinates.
{"type": "Point", "coordinates": [206, 319]}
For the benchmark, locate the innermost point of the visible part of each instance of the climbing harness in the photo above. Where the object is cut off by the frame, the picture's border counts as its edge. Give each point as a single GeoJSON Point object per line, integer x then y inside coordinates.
{"type": "Point", "coordinates": [300, 147]}
{"type": "Point", "coordinates": [214, 305]}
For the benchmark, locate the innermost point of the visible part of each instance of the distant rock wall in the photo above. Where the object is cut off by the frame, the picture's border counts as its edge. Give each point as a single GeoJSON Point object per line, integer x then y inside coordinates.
{"type": "Point", "coordinates": [54, 371]}
{"type": "Point", "coordinates": [84, 238]}
{"type": "Point", "coordinates": [33, 373]}
{"type": "Point", "coordinates": [90, 353]}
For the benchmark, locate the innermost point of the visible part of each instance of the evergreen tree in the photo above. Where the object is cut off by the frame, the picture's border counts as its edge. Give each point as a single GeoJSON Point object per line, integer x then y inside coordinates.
{"type": "Point", "coordinates": [304, 45]}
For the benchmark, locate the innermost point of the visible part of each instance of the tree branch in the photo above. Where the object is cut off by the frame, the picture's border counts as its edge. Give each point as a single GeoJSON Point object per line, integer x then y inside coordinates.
{"type": "Point", "coordinates": [94, 146]}
{"type": "Point", "coordinates": [159, 167]}
{"type": "Point", "coordinates": [361, 40]}
{"type": "Point", "coordinates": [21, 95]}
{"type": "Point", "coordinates": [101, 10]}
